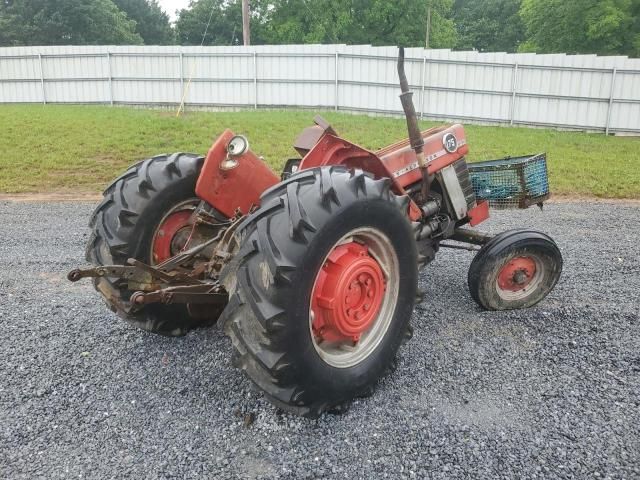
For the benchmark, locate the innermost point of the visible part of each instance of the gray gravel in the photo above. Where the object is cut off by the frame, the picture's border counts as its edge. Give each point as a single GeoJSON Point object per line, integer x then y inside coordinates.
{"type": "Point", "coordinates": [552, 392]}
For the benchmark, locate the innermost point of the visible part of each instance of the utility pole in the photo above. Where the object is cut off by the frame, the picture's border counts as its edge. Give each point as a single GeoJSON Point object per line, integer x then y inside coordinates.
{"type": "Point", "coordinates": [426, 42]}
{"type": "Point", "coordinates": [246, 29]}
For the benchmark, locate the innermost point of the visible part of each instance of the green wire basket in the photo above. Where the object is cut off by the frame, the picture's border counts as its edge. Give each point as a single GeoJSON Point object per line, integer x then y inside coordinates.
{"type": "Point", "coordinates": [517, 182]}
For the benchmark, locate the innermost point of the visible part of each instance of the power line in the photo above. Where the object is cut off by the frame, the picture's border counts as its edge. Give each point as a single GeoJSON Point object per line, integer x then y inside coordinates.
{"type": "Point", "coordinates": [213, 5]}
{"type": "Point", "coordinates": [186, 87]}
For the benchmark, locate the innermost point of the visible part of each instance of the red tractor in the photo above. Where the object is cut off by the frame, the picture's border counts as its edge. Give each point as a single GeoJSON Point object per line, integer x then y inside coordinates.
{"type": "Point", "coordinates": [312, 274]}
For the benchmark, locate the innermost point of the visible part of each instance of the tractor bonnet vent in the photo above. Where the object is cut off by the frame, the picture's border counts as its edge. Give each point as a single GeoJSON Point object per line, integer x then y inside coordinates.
{"type": "Point", "coordinates": [462, 171]}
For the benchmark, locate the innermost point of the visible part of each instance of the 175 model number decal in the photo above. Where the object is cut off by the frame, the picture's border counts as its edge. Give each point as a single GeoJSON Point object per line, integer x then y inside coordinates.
{"type": "Point", "coordinates": [430, 158]}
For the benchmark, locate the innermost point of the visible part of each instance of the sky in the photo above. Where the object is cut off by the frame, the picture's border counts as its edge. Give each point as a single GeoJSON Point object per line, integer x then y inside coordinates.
{"type": "Point", "coordinates": [170, 6]}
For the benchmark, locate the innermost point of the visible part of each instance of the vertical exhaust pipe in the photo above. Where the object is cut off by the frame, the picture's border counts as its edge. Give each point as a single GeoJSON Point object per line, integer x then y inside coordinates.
{"type": "Point", "coordinates": [415, 138]}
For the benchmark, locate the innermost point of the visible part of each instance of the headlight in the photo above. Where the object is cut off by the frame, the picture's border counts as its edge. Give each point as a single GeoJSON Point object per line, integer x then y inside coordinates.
{"type": "Point", "coordinates": [237, 145]}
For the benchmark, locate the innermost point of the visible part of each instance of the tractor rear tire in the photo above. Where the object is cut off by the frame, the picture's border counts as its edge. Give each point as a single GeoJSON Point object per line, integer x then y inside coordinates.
{"type": "Point", "coordinates": [284, 246]}
{"type": "Point", "coordinates": [515, 269]}
{"type": "Point", "coordinates": [124, 224]}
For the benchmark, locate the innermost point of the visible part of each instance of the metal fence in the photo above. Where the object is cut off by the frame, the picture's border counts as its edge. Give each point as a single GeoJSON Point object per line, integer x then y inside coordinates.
{"type": "Point", "coordinates": [584, 92]}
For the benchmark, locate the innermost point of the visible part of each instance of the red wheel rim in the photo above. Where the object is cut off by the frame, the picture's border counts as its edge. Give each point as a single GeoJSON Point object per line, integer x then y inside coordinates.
{"type": "Point", "coordinates": [172, 235]}
{"type": "Point", "coordinates": [347, 295]}
{"type": "Point", "coordinates": [354, 297]}
{"type": "Point", "coordinates": [517, 274]}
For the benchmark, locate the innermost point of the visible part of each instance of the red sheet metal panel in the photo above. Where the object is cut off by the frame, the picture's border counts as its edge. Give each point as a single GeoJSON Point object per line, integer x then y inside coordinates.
{"type": "Point", "coordinates": [239, 188]}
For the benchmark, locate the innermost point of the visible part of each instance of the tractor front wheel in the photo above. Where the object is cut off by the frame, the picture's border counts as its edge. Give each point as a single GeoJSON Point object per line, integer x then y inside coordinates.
{"type": "Point", "coordinates": [515, 269]}
{"type": "Point", "coordinates": [322, 288]}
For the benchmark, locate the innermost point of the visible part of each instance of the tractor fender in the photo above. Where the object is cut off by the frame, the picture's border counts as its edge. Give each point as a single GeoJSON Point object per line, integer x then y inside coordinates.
{"type": "Point", "coordinates": [231, 189]}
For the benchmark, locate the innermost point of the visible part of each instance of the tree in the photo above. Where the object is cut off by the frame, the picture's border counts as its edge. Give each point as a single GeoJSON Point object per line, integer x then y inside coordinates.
{"type": "Point", "coordinates": [605, 27]}
{"type": "Point", "coordinates": [225, 27]}
{"type": "Point", "coordinates": [404, 22]}
{"type": "Point", "coordinates": [634, 33]}
{"type": "Point", "coordinates": [376, 22]}
{"type": "Point", "coordinates": [64, 22]}
{"type": "Point", "coordinates": [152, 24]}
{"type": "Point", "coordinates": [489, 25]}
{"type": "Point", "coordinates": [300, 21]}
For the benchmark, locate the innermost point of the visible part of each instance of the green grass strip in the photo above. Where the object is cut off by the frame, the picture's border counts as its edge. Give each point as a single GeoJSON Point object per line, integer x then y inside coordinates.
{"type": "Point", "coordinates": [61, 149]}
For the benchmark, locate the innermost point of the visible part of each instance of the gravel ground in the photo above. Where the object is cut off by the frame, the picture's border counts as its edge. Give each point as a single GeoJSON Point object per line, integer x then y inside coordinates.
{"type": "Point", "coordinates": [551, 392]}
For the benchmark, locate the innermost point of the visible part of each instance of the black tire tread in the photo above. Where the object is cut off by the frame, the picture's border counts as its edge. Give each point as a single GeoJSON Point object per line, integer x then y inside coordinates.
{"type": "Point", "coordinates": [495, 246]}
{"type": "Point", "coordinates": [116, 223]}
{"type": "Point", "coordinates": [254, 318]}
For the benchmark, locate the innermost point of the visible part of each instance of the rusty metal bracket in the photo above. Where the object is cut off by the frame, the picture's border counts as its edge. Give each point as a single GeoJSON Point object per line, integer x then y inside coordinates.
{"type": "Point", "coordinates": [459, 247]}
{"type": "Point", "coordinates": [130, 273]}
{"type": "Point", "coordinates": [169, 282]}
{"type": "Point", "coordinates": [182, 257]}
{"type": "Point", "coordinates": [226, 247]}
{"type": "Point", "coordinates": [473, 237]}
{"type": "Point", "coordinates": [139, 275]}
{"type": "Point", "coordinates": [193, 294]}
{"type": "Point", "coordinates": [166, 277]}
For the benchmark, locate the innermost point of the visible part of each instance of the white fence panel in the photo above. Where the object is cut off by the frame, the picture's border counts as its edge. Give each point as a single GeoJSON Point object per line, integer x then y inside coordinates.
{"type": "Point", "coordinates": [558, 112]}
{"type": "Point", "coordinates": [627, 86]}
{"type": "Point", "coordinates": [145, 66]}
{"type": "Point", "coordinates": [146, 91]}
{"type": "Point", "coordinates": [20, 92]}
{"type": "Point", "coordinates": [218, 67]}
{"type": "Point", "coordinates": [467, 106]}
{"type": "Point", "coordinates": [26, 67]}
{"type": "Point", "coordinates": [74, 67]}
{"type": "Point", "coordinates": [77, 91]}
{"type": "Point", "coordinates": [625, 117]}
{"type": "Point", "coordinates": [227, 94]}
{"type": "Point", "coordinates": [584, 92]}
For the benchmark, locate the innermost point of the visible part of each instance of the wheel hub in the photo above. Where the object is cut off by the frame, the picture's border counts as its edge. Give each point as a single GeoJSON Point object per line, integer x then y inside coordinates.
{"type": "Point", "coordinates": [172, 235]}
{"type": "Point", "coordinates": [348, 294]}
{"type": "Point", "coordinates": [517, 274]}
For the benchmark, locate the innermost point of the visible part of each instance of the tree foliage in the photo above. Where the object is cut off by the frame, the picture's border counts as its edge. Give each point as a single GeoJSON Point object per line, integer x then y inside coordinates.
{"type": "Point", "coordinates": [489, 25]}
{"type": "Point", "coordinates": [404, 23]}
{"type": "Point", "coordinates": [300, 21]}
{"type": "Point", "coordinates": [225, 27]}
{"type": "Point", "coordinates": [64, 22]}
{"type": "Point", "coordinates": [152, 23]}
{"type": "Point", "coordinates": [377, 22]}
{"type": "Point", "coordinates": [605, 27]}
{"type": "Point", "coordinates": [545, 26]}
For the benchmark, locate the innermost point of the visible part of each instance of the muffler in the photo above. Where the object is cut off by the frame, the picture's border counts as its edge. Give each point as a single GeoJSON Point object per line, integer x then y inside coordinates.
{"type": "Point", "coordinates": [415, 137]}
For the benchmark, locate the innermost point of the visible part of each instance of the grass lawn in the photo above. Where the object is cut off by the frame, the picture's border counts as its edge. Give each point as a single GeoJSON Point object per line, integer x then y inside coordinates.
{"type": "Point", "coordinates": [57, 148]}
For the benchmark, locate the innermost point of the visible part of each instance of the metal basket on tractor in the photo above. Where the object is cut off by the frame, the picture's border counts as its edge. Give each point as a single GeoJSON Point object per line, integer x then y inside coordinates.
{"type": "Point", "coordinates": [312, 273]}
{"type": "Point", "coordinates": [511, 182]}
